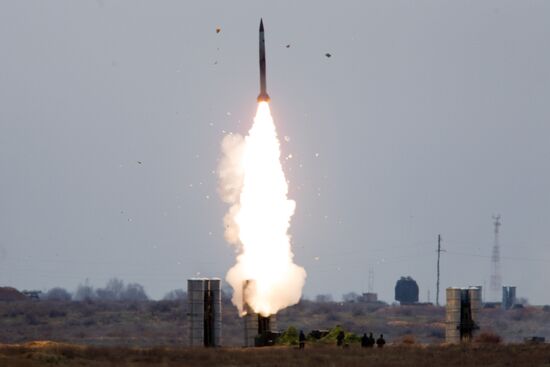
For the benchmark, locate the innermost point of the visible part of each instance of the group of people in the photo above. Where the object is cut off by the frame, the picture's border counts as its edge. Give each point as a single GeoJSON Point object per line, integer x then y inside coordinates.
{"type": "Point", "coordinates": [366, 341]}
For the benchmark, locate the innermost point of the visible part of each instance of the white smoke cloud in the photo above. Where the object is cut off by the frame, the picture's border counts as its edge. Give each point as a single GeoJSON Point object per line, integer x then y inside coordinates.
{"type": "Point", "coordinates": [231, 175]}
{"type": "Point", "coordinates": [252, 181]}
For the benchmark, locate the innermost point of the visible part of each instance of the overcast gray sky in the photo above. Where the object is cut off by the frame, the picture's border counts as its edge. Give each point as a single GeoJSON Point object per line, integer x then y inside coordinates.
{"type": "Point", "coordinates": [429, 117]}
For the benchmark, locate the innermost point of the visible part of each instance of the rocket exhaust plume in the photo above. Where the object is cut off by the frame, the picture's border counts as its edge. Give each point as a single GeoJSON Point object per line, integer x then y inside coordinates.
{"type": "Point", "coordinates": [253, 182]}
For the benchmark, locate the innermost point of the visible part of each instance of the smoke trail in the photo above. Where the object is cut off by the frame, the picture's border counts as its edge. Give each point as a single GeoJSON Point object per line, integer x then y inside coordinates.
{"type": "Point", "coordinates": [253, 182]}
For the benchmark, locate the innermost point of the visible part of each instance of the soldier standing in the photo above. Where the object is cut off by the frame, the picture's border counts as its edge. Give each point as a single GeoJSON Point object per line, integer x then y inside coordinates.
{"type": "Point", "coordinates": [302, 339]}
{"type": "Point", "coordinates": [380, 341]}
{"type": "Point", "coordinates": [371, 341]}
{"type": "Point", "coordinates": [364, 341]}
{"type": "Point", "coordinates": [340, 338]}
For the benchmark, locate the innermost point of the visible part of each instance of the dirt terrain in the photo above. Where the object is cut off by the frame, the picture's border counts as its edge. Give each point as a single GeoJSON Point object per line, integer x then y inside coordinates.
{"type": "Point", "coordinates": [48, 354]}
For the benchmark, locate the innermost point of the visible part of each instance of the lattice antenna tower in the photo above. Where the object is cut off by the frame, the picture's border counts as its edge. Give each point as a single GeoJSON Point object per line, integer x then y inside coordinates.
{"type": "Point", "coordinates": [439, 251]}
{"type": "Point", "coordinates": [370, 284]}
{"type": "Point", "coordinates": [496, 278]}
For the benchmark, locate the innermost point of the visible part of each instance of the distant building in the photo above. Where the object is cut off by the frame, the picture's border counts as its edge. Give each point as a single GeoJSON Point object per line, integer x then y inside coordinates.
{"type": "Point", "coordinates": [406, 291]}
{"type": "Point", "coordinates": [369, 297]}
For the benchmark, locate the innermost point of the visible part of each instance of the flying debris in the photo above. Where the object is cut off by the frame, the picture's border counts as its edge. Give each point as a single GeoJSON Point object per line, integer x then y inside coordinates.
{"type": "Point", "coordinates": [140, 162]}
{"type": "Point", "coordinates": [263, 96]}
{"type": "Point", "coordinates": [328, 55]}
{"type": "Point", "coordinates": [287, 46]}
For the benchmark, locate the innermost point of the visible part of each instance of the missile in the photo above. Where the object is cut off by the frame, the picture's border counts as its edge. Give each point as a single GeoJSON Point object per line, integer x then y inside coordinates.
{"type": "Point", "coordinates": [263, 96]}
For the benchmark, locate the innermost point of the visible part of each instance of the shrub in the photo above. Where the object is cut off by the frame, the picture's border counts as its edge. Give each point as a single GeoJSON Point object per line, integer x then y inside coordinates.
{"type": "Point", "coordinates": [408, 340]}
{"type": "Point", "coordinates": [85, 309]}
{"type": "Point", "coordinates": [352, 338]}
{"type": "Point", "coordinates": [323, 298]}
{"type": "Point", "coordinates": [289, 336]}
{"type": "Point", "coordinates": [57, 294]}
{"type": "Point", "coordinates": [160, 307]}
{"type": "Point", "coordinates": [358, 311]}
{"type": "Point", "coordinates": [89, 322]}
{"type": "Point", "coordinates": [13, 312]}
{"type": "Point", "coordinates": [404, 311]}
{"type": "Point", "coordinates": [488, 338]}
{"type": "Point", "coordinates": [57, 313]}
{"type": "Point", "coordinates": [437, 333]}
{"type": "Point", "coordinates": [31, 319]}
{"type": "Point", "coordinates": [333, 333]}
{"type": "Point", "coordinates": [176, 295]}
{"type": "Point", "coordinates": [135, 292]}
{"type": "Point", "coordinates": [84, 292]}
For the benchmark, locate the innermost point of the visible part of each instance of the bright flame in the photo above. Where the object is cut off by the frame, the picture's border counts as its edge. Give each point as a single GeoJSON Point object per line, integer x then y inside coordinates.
{"type": "Point", "coordinates": [253, 181]}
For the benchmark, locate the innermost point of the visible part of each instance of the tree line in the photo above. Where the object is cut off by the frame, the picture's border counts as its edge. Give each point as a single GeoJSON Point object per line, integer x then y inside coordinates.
{"type": "Point", "coordinates": [114, 290]}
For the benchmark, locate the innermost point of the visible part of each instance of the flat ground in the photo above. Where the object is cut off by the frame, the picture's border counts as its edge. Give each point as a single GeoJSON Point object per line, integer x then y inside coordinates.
{"type": "Point", "coordinates": [49, 353]}
{"type": "Point", "coordinates": [153, 323]}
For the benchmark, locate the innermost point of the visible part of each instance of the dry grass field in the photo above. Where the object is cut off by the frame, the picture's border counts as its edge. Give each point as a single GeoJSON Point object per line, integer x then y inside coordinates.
{"type": "Point", "coordinates": [154, 333]}
{"type": "Point", "coordinates": [54, 354]}
{"type": "Point", "coordinates": [164, 323]}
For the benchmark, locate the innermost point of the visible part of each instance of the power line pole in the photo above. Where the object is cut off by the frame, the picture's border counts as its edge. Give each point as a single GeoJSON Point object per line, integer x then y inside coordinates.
{"type": "Point", "coordinates": [496, 278]}
{"type": "Point", "coordinates": [438, 257]}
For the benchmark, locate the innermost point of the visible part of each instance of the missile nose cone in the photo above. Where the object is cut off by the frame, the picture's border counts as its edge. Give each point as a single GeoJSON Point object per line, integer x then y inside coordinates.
{"type": "Point", "coordinates": [261, 25]}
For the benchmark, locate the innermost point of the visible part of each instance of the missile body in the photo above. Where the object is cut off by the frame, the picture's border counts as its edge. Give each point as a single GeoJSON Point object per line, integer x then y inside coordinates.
{"type": "Point", "coordinates": [263, 96]}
